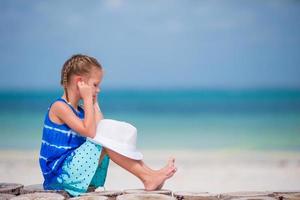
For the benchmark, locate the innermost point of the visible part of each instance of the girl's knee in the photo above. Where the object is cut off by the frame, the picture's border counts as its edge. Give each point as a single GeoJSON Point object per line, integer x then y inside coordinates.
{"type": "Point", "coordinates": [103, 153]}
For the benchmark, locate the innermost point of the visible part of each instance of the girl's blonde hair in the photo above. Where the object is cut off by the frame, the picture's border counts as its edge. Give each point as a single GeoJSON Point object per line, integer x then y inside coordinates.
{"type": "Point", "coordinates": [77, 65]}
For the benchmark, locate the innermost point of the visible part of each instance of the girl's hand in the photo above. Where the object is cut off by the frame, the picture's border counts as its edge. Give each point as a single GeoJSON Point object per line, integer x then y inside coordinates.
{"type": "Point", "coordinates": [85, 90]}
{"type": "Point", "coordinates": [97, 111]}
{"type": "Point", "coordinates": [95, 99]}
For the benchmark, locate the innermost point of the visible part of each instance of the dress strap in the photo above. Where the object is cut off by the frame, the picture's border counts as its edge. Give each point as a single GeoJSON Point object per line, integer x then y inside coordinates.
{"type": "Point", "coordinates": [63, 100]}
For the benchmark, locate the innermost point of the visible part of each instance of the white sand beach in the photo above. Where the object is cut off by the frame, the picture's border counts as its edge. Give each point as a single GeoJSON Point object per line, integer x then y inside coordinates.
{"type": "Point", "coordinates": [202, 171]}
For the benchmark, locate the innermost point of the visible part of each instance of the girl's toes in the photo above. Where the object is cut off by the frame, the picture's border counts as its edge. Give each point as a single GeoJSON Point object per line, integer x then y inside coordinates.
{"type": "Point", "coordinates": [171, 170]}
{"type": "Point", "coordinates": [175, 170]}
{"type": "Point", "coordinates": [171, 173]}
{"type": "Point", "coordinates": [172, 160]}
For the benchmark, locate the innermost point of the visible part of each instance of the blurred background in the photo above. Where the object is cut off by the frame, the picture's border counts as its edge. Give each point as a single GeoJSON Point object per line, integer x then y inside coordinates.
{"type": "Point", "coordinates": [188, 74]}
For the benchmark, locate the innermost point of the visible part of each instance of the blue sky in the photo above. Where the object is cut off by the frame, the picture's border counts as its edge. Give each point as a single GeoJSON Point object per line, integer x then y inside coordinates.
{"type": "Point", "coordinates": [153, 44]}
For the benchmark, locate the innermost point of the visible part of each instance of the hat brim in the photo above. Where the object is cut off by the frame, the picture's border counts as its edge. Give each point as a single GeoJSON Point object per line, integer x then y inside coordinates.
{"type": "Point", "coordinates": [133, 154]}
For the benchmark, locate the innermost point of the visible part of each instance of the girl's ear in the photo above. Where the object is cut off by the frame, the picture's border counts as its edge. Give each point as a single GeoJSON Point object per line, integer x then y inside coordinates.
{"type": "Point", "coordinates": [77, 79]}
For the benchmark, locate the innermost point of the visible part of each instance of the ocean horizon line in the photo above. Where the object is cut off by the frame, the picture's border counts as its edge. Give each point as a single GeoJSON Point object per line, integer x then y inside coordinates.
{"type": "Point", "coordinates": [171, 89]}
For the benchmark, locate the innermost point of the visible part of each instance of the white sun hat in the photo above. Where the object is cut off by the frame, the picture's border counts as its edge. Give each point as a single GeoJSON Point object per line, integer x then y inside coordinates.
{"type": "Point", "coordinates": [118, 136]}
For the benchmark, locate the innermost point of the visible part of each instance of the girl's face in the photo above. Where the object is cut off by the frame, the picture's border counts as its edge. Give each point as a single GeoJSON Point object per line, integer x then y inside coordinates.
{"type": "Point", "coordinates": [94, 79]}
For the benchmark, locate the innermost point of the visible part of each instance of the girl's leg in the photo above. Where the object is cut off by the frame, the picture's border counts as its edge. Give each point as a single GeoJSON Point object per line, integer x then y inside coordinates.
{"type": "Point", "coordinates": [151, 179]}
{"type": "Point", "coordinates": [103, 153]}
{"type": "Point", "coordinates": [169, 164]}
{"type": "Point", "coordinates": [79, 168]}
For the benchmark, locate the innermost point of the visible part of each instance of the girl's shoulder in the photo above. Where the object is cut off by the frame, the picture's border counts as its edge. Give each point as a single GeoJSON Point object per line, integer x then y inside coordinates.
{"type": "Point", "coordinates": [59, 103]}
{"type": "Point", "coordinates": [58, 107]}
{"type": "Point", "coordinates": [62, 106]}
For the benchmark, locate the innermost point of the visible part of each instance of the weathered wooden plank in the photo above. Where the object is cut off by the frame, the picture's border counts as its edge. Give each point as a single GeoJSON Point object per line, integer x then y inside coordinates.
{"type": "Point", "coordinates": [89, 198]}
{"type": "Point", "coordinates": [248, 194]}
{"type": "Point", "coordinates": [39, 196]}
{"type": "Point", "coordinates": [145, 197]}
{"type": "Point", "coordinates": [254, 198]}
{"type": "Point", "coordinates": [10, 188]}
{"type": "Point", "coordinates": [142, 191]}
{"type": "Point", "coordinates": [182, 195]}
{"type": "Point", "coordinates": [111, 194]}
{"type": "Point", "coordinates": [39, 188]}
{"type": "Point", "coordinates": [288, 195]}
{"type": "Point", "coordinates": [6, 196]}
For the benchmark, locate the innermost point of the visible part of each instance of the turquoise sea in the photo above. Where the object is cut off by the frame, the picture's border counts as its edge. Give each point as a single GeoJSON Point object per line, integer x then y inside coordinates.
{"type": "Point", "coordinates": [175, 119]}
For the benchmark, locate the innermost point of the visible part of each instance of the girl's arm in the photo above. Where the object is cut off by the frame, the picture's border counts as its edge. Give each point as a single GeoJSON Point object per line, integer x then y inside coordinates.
{"type": "Point", "coordinates": [87, 126]}
{"type": "Point", "coordinates": [97, 112]}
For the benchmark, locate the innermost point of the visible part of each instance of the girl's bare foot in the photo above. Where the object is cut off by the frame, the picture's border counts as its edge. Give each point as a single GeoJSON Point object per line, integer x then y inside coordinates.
{"type": "Point", "coordinates": [171, 163]}
{"type": "Point", "coordinates": [157, 178]}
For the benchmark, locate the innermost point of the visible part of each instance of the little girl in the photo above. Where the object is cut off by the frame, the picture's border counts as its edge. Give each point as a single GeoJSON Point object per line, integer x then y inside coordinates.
{"type": "Point", "coordinates": [68, 160]}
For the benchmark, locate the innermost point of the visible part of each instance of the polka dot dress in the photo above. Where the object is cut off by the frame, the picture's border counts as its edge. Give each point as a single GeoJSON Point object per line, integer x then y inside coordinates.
{"type": "Point", "coordinates": [82, 169]}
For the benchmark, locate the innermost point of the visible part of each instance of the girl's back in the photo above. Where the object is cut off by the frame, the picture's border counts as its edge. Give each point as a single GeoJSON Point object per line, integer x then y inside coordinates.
{"type": "Point", "coordinates": [58, 141]}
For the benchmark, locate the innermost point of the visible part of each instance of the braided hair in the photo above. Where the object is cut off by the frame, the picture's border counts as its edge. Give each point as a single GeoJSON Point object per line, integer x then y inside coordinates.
{"type": "Point", "coordinates": [77, 65]}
